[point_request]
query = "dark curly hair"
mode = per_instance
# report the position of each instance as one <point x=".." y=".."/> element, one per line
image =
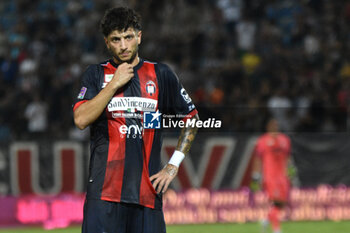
<point x="120" y="18"/>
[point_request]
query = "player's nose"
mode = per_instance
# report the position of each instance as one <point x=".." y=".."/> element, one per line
<point x="123" y="44"/>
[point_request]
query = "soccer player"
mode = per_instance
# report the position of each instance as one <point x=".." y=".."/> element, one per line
<point x="126" y="181"/>
<point x="272" y="156"/>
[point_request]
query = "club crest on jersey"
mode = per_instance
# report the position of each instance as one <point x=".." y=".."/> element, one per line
<point x="150" y="87"/>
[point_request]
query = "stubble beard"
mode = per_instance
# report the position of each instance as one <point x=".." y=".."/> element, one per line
<point x="132" y="58"/>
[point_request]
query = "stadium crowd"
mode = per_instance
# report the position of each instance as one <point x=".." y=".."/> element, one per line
<point x="238" y="59"/>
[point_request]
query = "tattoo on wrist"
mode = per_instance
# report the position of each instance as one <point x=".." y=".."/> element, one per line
<point x="171" y="170"/>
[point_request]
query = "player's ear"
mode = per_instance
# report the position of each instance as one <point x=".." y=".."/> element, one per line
<point x="139" y="35"/>
<point x="106" y="42"/>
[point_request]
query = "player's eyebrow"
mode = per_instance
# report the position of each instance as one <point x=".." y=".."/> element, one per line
<point x="124" y="36"/>
<point x="130" y="34"/>
<point x="115" y="37"/>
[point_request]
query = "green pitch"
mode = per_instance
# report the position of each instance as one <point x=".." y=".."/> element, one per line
<point x="288" y="227"/>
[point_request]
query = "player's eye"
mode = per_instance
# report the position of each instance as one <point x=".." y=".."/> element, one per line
<point x="115" y="39"/>
<point x="129" y="37"/>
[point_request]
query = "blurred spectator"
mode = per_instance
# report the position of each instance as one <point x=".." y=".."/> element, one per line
<point x="216" y="96"/>
<point x="5" y="131"/>
<point x="250" y="61"/>
<point x="9" y="68"/>
<point x="79" y="135"/>
<point x="231" y="10"/>
<point x="36" y="113"/>
<point x="3" y="43"/>
<point x="280" y="106"/>
<point x="28" y="74"/>
<point x="245" y="30"/>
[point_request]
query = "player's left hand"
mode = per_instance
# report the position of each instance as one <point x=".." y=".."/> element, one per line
<point x="255" y="186"/>
<point x="162" y="179"/>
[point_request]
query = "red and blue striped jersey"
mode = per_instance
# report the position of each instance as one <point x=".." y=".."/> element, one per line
<point x="123" y="153"/>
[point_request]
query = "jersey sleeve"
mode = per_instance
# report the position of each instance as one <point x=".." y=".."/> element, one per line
<point x="88" y="88"/>
<point x="175" y="99"/>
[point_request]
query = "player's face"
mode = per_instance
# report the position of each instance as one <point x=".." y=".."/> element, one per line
<point x="272" y="126"/>
<point x="124" y="45"/>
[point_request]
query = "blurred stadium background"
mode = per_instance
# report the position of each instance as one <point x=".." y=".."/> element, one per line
<point x="240" y="60"/>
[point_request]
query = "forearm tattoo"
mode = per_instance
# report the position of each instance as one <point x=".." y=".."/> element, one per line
<point x="186" y="138"/>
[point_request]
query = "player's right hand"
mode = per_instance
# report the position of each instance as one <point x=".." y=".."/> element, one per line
<point x="122" y="75"/>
